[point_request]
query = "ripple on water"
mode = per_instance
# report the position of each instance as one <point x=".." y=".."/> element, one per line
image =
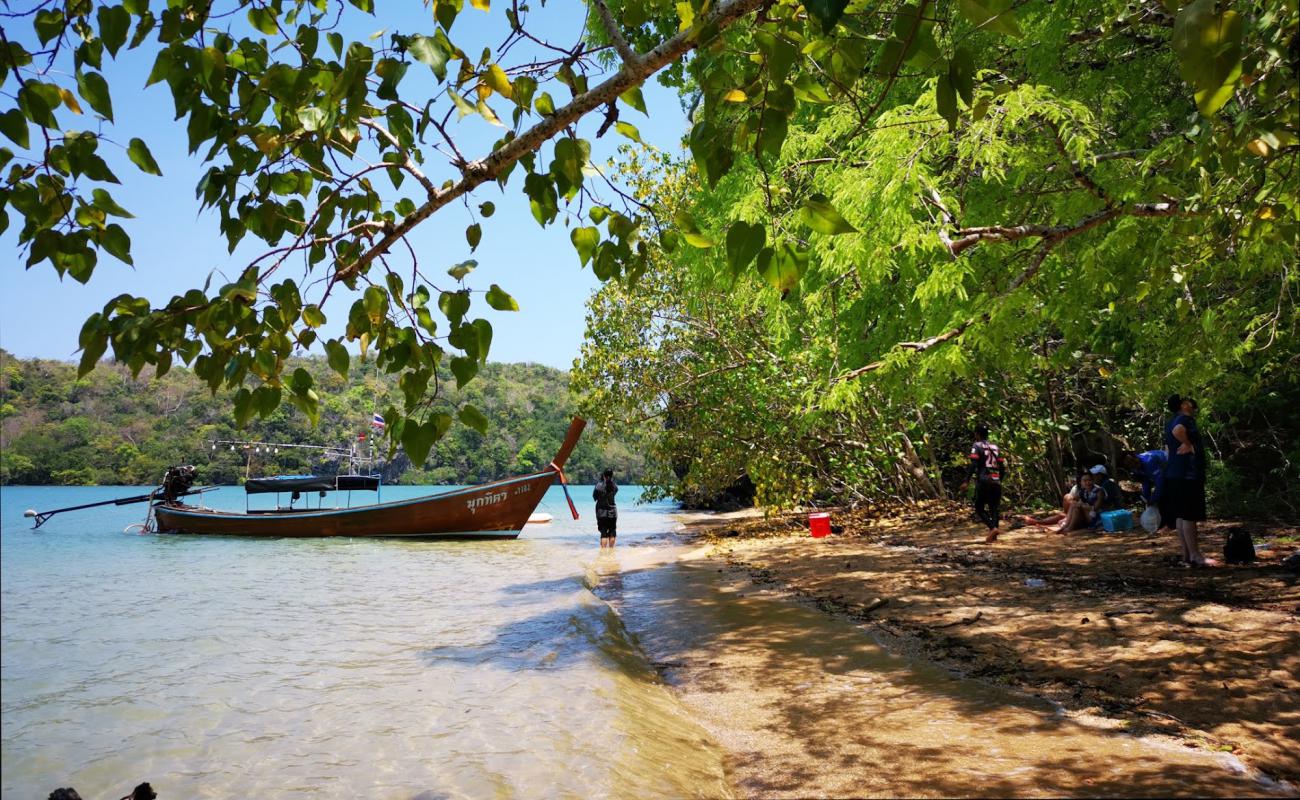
<point x="218" y="667"/>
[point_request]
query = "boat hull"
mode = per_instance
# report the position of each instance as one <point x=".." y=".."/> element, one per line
<point x="491" y="511"/>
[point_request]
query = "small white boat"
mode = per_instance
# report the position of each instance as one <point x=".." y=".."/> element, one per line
<point x="540" y="518"/>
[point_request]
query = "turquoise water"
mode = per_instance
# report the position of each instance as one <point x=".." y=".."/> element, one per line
<point x="216" y="667"/>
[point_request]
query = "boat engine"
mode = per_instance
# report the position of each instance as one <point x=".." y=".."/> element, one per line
<point x="177" y="482"/>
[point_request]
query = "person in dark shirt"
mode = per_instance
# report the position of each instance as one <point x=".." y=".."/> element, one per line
<point x="606" y="511"/>
<point x="1183" y="493"/>
<point x="1114" y="497"/>
<point x="986" y="465"/>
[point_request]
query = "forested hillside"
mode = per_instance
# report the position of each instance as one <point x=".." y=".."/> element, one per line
<point x="108" y="428"/>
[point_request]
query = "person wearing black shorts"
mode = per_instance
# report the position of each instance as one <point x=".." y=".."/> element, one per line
<point x="986" y="466"/>
<point x="1182" y="498"/>
<point x="606" y="511"/>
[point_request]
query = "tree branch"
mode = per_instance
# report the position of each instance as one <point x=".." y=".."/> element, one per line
<point x="1051" y="236"/>
<point x="486" y="169"/>
<point x="607" y="21"/>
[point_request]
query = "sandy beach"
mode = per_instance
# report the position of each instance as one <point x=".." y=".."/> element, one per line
<point x="903" y="657"/>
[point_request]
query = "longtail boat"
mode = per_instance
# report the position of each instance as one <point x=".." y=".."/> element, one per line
<point x="496" y="510"/>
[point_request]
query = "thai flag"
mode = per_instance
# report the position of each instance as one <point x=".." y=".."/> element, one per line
<point x="377" y="422"/>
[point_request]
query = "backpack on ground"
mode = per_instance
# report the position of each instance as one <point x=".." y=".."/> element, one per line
<point x="1240" y="548"/>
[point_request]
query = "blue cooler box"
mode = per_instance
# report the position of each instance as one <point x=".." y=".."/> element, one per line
<point x="1118" y="520"/>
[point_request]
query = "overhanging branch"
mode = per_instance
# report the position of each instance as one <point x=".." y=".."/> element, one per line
<point x="488" y="168"/>
<point x="1050" y="235"/>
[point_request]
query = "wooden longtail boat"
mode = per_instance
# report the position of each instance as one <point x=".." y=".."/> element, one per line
<point x="497" y="510"/>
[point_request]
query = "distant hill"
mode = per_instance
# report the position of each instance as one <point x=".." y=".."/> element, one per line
<point x="110" y="428"/>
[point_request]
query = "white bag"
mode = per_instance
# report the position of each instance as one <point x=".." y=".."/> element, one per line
<point x="1150" y="519"/>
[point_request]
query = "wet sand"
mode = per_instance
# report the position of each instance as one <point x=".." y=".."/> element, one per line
<point x="764" y="637"/>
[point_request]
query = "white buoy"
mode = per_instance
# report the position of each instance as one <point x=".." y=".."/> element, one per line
<point x="31" y="512"/>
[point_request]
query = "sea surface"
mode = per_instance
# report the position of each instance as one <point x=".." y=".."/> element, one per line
<point x="224" y="667"/>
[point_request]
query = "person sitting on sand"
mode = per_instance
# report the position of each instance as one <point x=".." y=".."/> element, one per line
<point x="1114" y="496"/>
<point x="1056" y="517"/>
<point x="1086" y="499"/>
<point x="986" y="466"/>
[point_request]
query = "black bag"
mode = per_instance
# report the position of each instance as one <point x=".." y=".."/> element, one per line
<point x="1240" y="548"/>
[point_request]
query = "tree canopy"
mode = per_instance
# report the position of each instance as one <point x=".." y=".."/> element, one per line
<point x="949" y="161"/>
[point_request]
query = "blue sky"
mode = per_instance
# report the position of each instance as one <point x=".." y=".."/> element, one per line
<point x="175" y="247"/>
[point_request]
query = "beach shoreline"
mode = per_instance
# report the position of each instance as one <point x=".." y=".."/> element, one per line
<point x="1099" y="625"/>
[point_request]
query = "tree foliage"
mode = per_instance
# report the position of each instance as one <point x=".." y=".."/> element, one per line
<point x="329" y="151"/>
<point x="1086" y="237"/>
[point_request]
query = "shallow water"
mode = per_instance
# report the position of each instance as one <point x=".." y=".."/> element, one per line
<point x="217" y="667"/>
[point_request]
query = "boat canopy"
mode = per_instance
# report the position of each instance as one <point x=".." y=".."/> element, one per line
<point x="312" y="483"/>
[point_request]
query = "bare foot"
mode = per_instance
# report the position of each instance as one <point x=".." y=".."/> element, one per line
<point x="991" y="538"/>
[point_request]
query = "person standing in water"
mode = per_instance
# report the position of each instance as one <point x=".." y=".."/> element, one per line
<point x="986" y="466"/>
<point x="1183" y="493"/>
<point x="606" y="511"/>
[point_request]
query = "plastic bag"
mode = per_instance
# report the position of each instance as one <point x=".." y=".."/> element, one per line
<point x="1150" y="519"/>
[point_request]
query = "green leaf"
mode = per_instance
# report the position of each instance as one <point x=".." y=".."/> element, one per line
<point x="427" y="51"/>
<point x="782" y="267"/>
<point x="498" y="299"/>
<point x="462" y="269"/>
<point x="744" y="241"/>
<point x="473" y="235"/>
<point x="313" y="316"/>
<point x="464" y="369"/>
<point x="454" y="305"/>
<point x="634" y="98"/>
<point x="375" y="300"/>
<point x="818" y="213"/>
<point x="337" y="356"/>
<point x="117" y="243"/>
<point x="779" y="53"/>
<point x="690" y="231"/>
<point x="542" y="199"/>
<point x="585" y="241"/>
<point x="445" y="11"/>
<point x="93" y="345"/>
<point x="495" y="77"/>
<point x="139" y="154"/>
<point x="487" y="208"/>
<point x="945" y="99"/>
<point x="311" y="118"/>
<point x="992" y="15"/>
<point x="105" y="202"/>
<point x="94" y="90"/>
<point x="263" y="20"/>
<point x="14" y="125"/>
<point x="1209" y="49"/>
<point x="827" y="12"/>
<point x="961" y="71"/>
<point x="474" y="418"/>
<point x="418" y="439"/>
<point x="544" y="104"/>
<point x="114" y="23"/>
<point x="48" y="23"/>
<point x="772" y="135"/>
<point x="629" y="130"/>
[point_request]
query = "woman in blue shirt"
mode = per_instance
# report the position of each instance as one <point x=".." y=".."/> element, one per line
<point x="1183" y="494"/>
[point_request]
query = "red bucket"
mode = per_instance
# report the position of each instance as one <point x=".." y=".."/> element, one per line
<point x="819" y="524"/>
